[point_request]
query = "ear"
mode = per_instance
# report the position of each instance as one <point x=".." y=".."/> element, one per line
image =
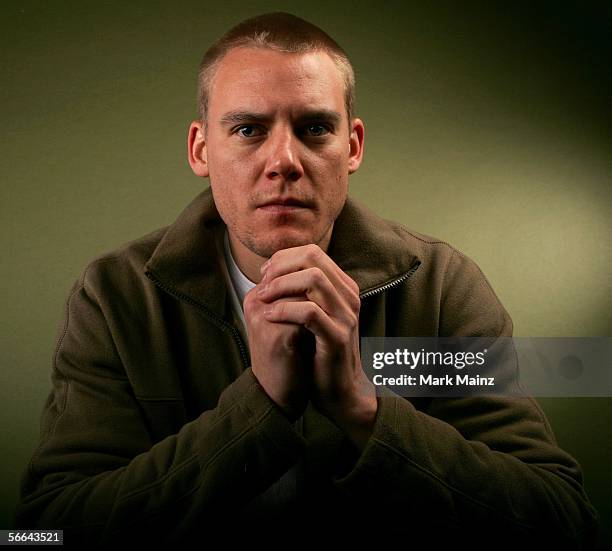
<point x="196" y="149"/>
<point x="355" y="145"/>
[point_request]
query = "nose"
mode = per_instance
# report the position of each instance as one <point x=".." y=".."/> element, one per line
<point x="283" y="160"/>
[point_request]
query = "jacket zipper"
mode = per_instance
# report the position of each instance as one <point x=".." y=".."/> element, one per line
<point x="207" y="313"/>
<point x="392" y="283"/>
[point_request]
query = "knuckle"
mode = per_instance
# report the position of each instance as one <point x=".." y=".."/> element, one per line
<point x="353" y="321"/>
<point x="310" y="314"/>
<point x="249" y="302"/>
<point x="317" y="274"/>
<point x="273" y="258"/>
<point x="272" y="286"/>
<point x="346" y="334"/>
<point x="313" y="251"/>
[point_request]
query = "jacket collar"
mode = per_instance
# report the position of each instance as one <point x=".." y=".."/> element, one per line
<point x="369" y="249"/>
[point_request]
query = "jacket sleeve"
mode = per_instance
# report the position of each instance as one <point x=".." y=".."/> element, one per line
<point x="96" y="472"/>
<point x="474" y="467"/>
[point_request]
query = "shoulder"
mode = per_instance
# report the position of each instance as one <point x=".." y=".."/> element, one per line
<point x="123" y="265"/>
<point x="432" y="251"/>
<point x="467" y="303"/>
<point x="440" y="255"/>
<point x="357" y="223"/>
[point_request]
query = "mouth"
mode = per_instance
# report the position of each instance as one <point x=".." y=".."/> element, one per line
<point x="283" y="205"/>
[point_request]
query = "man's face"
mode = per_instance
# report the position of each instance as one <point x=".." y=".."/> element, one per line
<point x="278" y="147"/>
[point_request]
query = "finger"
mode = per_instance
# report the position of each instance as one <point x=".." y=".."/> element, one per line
<point x="307" y="256"/>
<point x="253" y="306"/>
<point x="311" y="283"/>
<point x="294" y="259"/>
<point x="305" y="313"/>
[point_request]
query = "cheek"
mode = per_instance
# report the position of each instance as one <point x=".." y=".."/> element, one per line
<point x="228" y="182"/>
<point x="330" y="166"/>
<point x="237" y="171"/>
<point x="223" y="201"/>
<point x="339" y="193"/>
<point x="225" y="194"/>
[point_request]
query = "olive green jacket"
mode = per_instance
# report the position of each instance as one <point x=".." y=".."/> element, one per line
<point x="156" y="428"/>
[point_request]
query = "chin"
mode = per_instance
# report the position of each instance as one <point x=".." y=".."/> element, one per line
<point x="286" y="240"/>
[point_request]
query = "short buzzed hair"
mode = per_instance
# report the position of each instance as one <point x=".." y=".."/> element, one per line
<point x="278" y="31"/>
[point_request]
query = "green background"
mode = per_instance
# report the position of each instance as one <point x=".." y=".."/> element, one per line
<point x="486" y="125"/>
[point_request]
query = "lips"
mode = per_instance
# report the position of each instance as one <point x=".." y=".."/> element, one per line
<point x="284" y="207"/>
<point x="285" y="202"/>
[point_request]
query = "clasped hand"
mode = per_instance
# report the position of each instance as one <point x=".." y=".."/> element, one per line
<point x="303" y="328"/>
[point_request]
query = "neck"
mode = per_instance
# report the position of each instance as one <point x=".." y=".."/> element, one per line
<point x="247" y="261"/>
<point x="250" y="262"/>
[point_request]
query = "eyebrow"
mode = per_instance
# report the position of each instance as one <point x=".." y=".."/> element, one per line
<point x="236" y="117"/>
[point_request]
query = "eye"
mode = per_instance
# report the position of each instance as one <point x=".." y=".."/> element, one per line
<point x="316" y="130"/>
<point x="248" y="131"/>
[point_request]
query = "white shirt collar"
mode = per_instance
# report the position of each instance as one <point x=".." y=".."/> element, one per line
<point x="240" y="284"/>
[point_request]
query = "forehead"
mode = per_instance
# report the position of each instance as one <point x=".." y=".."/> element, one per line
<point x="263" y="79"/>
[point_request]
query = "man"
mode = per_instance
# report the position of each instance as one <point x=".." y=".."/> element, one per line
<point x="207" y="378"/>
